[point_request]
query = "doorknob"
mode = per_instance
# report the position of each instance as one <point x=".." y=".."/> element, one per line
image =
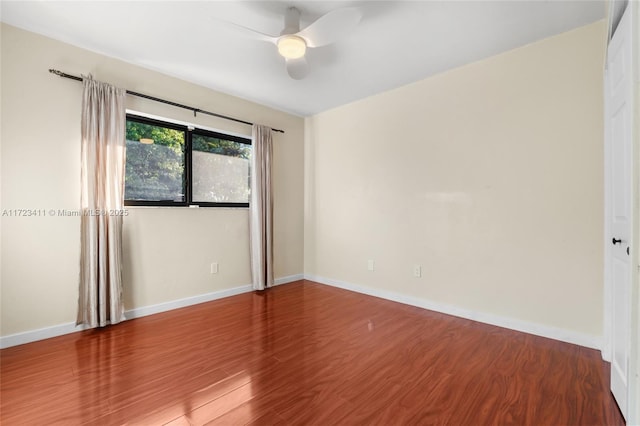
<point x="627" y="251"/>
<point x="614" y="241"/>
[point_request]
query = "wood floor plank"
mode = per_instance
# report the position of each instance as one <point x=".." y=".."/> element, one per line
<point x="303" y="353"/>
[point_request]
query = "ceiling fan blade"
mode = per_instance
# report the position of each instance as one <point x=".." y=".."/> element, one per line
<point x="297" y="68"/>
<point x="249" y="32"/>
<point x="331" y="27"/>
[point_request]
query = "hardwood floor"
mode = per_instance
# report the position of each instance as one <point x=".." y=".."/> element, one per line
<point x="304" y="353"/>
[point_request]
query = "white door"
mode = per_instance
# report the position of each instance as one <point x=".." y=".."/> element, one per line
<point x="618" y="128"/>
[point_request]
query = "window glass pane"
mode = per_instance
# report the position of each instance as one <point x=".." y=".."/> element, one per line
<point x="220" y="170"/>
<point x="155" y="163"/>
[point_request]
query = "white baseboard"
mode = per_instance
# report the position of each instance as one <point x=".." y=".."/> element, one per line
<point x="67" y="328"/>
<point x="39" y="334"/>
<point x="563" y="335"/>
<point x="187" y="301"/>
<point x="555" y="333"/>
<point x="288" y="279"/>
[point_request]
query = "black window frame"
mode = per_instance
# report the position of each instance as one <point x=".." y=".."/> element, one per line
<point x="189" y="131"/>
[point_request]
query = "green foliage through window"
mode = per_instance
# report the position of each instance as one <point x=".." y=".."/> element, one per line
<point x="220" y="170"/>
<point x="154" y="172"/>
<point x="168" y="164"/>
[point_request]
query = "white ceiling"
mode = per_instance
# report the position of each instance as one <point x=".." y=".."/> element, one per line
<point x="396" y="43"/>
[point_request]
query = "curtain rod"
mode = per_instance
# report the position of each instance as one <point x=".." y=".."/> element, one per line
<point x="163" y="101"/>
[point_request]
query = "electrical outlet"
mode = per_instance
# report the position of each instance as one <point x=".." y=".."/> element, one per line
<point x="417" y="271"/>
<point x="214" y="268"/>
<point x="370" y="265"/>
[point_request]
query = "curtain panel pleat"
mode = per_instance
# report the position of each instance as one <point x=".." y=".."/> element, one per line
<point x="102" y="199"/>
<point x="261" y="208"/>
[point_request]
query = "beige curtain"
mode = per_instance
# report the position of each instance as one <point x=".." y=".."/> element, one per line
<point x="261" y="208"/>
<point x="102" y="198"/>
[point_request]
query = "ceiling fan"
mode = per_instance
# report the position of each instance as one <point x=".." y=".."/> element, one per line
<point x="292" y="42"/>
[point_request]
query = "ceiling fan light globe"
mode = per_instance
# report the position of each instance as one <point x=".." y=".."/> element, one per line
<point x="291" y="47"/>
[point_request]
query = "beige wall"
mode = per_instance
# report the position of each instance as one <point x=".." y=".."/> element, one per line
<point x="489" y="176"/>
<point x="167" y="250"/>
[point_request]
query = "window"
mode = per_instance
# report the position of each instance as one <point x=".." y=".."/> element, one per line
<point x="155" y="166"/>
<point x="220" y="169"/>
<point x="173" y="165"/>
